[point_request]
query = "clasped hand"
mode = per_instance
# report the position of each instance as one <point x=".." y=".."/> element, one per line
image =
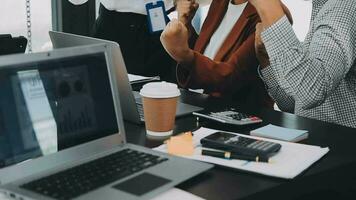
<point x="270" y="12"/>
<point x="186" y="10"/>
<point x="174" y="39"/>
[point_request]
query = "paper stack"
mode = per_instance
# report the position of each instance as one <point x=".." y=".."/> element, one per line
<point x="288" y="163"/>
<point x="280" y="133"/>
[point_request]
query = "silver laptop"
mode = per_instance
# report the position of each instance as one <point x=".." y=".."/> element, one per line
<point x="130" y="100"/>
<point x="62" y="134"/>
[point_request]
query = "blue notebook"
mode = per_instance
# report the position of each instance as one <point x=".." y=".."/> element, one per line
<point x="280" y="133"/>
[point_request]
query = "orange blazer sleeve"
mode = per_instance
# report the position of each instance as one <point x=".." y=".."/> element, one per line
<point x="212" y="76"/>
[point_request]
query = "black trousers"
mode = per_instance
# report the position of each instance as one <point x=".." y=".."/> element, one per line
<point x="142" y="51"/>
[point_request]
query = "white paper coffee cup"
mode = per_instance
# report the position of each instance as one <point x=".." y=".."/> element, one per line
<point x="160" y="107"/>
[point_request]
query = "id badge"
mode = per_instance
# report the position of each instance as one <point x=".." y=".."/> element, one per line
<point x="157" y="16"/>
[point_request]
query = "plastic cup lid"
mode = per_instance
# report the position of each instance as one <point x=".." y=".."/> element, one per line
<point x="160" y="90"/>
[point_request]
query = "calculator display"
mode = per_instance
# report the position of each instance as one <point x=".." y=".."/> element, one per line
<point x="222" y="137"/>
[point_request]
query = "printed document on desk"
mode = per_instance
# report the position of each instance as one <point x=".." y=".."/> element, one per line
<point x="288" y="163"/>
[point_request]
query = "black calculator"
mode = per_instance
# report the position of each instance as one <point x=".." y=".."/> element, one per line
<point x="240" y="145"/>
<point x="229" y="116"/>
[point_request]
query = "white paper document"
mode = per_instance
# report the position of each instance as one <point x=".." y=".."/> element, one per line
<point x="137" y="78"/>
<point x="172" y="194"/>
<point x="176" y="194"/>
<point x="3" y="197"/>
<point x="289" y="162"/>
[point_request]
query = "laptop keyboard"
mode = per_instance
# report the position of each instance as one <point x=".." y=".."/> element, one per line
<point x="89" y="176"/>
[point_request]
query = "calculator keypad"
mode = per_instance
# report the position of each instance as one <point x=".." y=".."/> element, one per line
<point x="244" y="142"/>
<point x="235" y="117"/>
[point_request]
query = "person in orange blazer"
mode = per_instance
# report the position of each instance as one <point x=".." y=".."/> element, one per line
<point x="232" y="72"/>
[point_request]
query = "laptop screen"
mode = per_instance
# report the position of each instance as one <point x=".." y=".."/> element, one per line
<point x="55" y="104"/>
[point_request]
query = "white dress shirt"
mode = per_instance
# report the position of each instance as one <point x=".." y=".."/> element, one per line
<point x="134" y="6"/>
<point x="233" y="13"/>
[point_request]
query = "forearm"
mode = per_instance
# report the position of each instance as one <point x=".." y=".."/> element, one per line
<point x="310" y="74"/>
<point x="236" y="71"/>
<point x="210" y="72"/>
<point x="284" y="101"/>
<point x="206" y="73"/>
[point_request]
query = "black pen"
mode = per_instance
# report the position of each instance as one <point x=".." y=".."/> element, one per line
<point x="230" y="155"/>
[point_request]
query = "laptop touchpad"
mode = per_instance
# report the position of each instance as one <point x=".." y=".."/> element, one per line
<point x="141" y="184"/>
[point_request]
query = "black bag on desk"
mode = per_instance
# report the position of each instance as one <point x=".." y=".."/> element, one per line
<point x="11" y="45"/>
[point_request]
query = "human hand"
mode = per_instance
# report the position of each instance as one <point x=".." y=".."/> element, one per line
<point x="270" y="11"/>
<point x="261" y="52"/>
<point x="262" y="4"/>
<point x="186" y="10"/>
<point x="174" y="39"/>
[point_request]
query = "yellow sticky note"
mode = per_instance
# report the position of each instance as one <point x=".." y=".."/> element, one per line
<point x="187" y="136"/>
<point x="181" y="145"/>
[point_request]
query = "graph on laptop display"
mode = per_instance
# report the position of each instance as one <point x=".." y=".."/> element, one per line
<point x="51" y="105"/>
